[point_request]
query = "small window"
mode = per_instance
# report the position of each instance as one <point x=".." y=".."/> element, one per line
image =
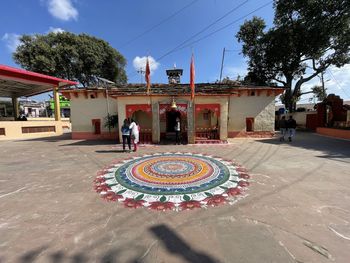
<point x="252" y="93"/>
<point x="92" y="96"/>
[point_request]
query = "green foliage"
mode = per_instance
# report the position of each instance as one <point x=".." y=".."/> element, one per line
<point x="307" y="34"/>
<point x="75" y="57"/>
<point x="319" y="92"/>
<point x="111" y="121"/>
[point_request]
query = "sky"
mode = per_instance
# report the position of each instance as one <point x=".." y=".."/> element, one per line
<point x="166" y="31"/>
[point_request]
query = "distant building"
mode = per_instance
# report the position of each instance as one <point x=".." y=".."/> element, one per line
<point x="64" y="105"/>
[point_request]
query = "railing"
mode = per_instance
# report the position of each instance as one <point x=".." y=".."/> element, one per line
<point x="146" y="136"/>
<point x="207" y="134"/>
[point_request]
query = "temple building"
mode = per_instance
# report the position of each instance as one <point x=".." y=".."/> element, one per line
<point x="217" y="112"/>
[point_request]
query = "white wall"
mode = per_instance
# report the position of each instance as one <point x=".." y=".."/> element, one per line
<point x="261" y="108"/>
<point x="84" y="110"/>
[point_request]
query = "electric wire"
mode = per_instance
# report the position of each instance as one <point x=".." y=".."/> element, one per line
<point x="203" y="29"/>
<point x="181" y="46"/>
<point x="158" y="24"/>
<point x="337" y="83"/>
<point x="224" y="27"/>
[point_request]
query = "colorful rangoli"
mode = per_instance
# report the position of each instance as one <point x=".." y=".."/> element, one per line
<point x="172" y="181"/>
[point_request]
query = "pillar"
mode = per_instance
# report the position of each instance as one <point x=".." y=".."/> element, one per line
<point x="15" y="107"/>
<point x="223" y="120"/>
<point x="191" y="134"/>
<point x="155" y="123"/>
<point x="56" y="99"/>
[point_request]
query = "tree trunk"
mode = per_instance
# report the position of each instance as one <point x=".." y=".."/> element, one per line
<point x="288" y="97"/>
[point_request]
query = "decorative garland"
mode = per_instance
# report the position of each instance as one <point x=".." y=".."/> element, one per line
<point x="172" y="181"/>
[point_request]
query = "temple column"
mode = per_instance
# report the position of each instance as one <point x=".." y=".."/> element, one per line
<point x="155" y="123"/>
<point x="223" y="120"/>
<point x="191" y="134"/>
<point x="15" y="107"/>
<point x="56" y="99"/>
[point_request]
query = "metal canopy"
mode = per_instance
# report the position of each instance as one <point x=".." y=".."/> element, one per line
<point x="18" y="82"/>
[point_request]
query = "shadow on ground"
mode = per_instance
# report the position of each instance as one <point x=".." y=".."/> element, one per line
<point x="165" y="236"/>
<point x="330" y="147"/>
<point x="175" y="245"/>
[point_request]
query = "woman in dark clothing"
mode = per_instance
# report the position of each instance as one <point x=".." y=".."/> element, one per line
<point x="126" y="134"/>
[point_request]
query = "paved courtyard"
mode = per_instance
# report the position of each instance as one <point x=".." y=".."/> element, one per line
<point x="297" y="208"/>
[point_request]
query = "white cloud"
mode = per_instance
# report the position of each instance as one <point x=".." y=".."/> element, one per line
<point x="140" y="63"/>
<point x="55" y="30"/>
<point x="63" y="9"/>
<point x="11" y="40"/>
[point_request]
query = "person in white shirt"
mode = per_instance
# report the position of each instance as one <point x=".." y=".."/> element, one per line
<point x="177" y="130"/>
<point x="135" y="133"/>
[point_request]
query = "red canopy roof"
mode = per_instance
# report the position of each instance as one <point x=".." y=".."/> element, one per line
<point x="19" y="82"/>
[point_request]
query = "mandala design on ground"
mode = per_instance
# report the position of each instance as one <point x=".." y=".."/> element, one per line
<point x="172" y="181"/>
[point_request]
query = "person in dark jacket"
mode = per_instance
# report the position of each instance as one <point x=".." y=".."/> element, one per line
<point x="126" y="134"/>
<point x="291" y="125"/>
<point x="283" y="127"/>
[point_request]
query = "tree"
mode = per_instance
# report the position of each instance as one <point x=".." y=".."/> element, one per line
<point x="307" y="37"/>
<point x="75" y="57"/>
<point x="319" y="92"/>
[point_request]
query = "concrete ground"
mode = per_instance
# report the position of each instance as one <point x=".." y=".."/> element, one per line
<point x="297" y="208"/>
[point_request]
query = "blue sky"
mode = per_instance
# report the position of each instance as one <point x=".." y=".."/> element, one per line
<point x="118" y="22"/>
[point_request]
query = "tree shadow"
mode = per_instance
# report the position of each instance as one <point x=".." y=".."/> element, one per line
<point x="175" y="245"/>
<point x="332" y="148"/>
<point x="30" y="256"/>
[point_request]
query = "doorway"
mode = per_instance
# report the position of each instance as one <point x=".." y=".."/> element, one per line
<point x="171" y="120"/>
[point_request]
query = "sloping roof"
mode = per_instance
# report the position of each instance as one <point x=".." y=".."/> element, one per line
<point x="174" y="89"/>
<point x="18" y="82"/>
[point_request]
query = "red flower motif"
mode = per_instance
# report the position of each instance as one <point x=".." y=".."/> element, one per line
<point x="243" y="183"/>
<point x="162" y="205"/>
<point x="215" y="200"/>
<point x="111" y="196"/>
<point x="190" y="205"/>
<point x="241" y="170"/>
<point x="102" y="188"/>
<point x="233" y="191"/>
<point x="99" y="180"/>
<point x="132" y="203"/>
<point x="244" y="175"/>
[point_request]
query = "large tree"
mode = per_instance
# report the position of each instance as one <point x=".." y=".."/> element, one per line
<point x="75" y="57"/>
<point x="306" y="38"/>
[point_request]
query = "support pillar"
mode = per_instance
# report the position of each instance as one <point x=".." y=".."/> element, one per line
<point x="155" y="123"/>
<point x="56" y="98"/>
<point x="191" y="134"/>
<point x="15" y="107"/>
<point x="223" y="120"/>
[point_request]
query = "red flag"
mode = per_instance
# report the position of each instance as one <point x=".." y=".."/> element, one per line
<point x="148" y="77"/>
<point x="192" y="75"/>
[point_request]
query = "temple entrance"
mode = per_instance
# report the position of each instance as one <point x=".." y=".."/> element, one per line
<point x="171" y="120"/>
<point x="167" y="123"/>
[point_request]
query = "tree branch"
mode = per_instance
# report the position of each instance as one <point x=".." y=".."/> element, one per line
<point x="280" y="81"/>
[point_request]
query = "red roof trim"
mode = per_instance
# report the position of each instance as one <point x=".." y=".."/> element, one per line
<point x="21" y="74"/>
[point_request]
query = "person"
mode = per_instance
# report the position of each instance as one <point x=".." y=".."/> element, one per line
<point x="283" y="127"/>
<point x="291" y="125"/>
<point x="177" y="130"/>
<point x="126" y="134"/>
<point x="135" y="133"/>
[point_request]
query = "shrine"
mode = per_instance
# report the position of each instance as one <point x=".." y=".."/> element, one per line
<point x="217" y="112"/>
